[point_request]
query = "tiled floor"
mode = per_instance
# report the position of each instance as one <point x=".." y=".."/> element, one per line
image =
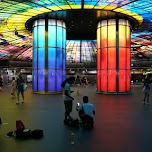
<point x="122" y="123"/>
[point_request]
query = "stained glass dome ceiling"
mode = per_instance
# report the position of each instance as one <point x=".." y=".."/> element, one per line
<point x="16" y="40"/>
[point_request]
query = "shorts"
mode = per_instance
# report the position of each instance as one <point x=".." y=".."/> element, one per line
<point x="68" y="105"/>
<point x="20" y="90"/>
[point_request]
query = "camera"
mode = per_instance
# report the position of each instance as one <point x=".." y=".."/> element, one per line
<point x="78" y="106"/>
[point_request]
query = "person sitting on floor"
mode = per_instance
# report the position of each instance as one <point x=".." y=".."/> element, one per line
<point x="86" y="112"/>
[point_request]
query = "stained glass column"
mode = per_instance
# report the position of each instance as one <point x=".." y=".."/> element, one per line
<point x="113" y="56"/>
<point x="49" y="55"/>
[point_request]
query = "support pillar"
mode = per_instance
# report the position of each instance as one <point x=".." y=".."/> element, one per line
<point x="49" y="55"/>
<point x="113" y="56"/>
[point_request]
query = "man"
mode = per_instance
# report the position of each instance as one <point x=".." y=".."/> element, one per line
<point x="20" y="88"/>
<point x="87" y="112"/>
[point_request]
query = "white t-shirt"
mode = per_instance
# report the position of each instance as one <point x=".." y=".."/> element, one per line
<point x="67" y="87"/>
<point x="88" y="109"/>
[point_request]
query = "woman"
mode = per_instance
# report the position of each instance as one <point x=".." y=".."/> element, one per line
<point x="68" y="103"/>
<point x="13" y="88"/>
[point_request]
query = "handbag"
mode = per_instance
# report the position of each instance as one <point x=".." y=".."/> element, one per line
<point x="143" y="89"/>
<point x="25" y="87"/>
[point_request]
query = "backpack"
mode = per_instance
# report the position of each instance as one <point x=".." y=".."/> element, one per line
<point x="20" y="131"/>
<point x="19" y="125"/>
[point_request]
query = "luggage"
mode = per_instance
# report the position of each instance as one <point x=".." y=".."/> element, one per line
<point x="36" y="134"/>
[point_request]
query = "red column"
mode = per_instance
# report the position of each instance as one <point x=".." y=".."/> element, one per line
<point x="113" y="56"/>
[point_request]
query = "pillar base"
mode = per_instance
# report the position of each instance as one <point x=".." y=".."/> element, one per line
<point x="46" y="93"/>
<point x="114" y="93"/>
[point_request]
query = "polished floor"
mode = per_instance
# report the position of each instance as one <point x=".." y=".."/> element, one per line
<point x="122" y="123"/>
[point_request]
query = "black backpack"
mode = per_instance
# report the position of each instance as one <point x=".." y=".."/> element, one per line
<point x="36" y="134"/>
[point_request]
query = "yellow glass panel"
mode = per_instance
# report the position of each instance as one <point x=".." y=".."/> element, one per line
<point x="118" y="10"/>
<point x="122" y="36"/>
<point x="103" y="36"/>
<point x="45" y="10"/>
<point x="109" y="8"/>
<point x="64" y="7"/>
<point x="112" y="36"/>
<point x="99" y="7"/>
<point x="98" y="38"/>
<point x="88" y="6"/>
<point x="55" y="8"/>
<point x="128" y="36"/>
<point x="76" y="6"/>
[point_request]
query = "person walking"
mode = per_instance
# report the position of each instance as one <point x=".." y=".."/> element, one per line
<point x="1" y="83"/>
<point x="147" y="83"/>
<point x="20" y="88"/>
<point x="78" y="83"/>
<point x="13" y="90"/>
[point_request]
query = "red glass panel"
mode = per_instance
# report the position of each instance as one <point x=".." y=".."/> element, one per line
<point x="122" y="58"/>
<point x="128" y="80"/>
<point x="104" y="80"/>
<point x="98" y="59"/>
<point x="104" y="58"/>
<point x="111" y="80"/>
<point x="128" y="58"/>
<point x="99" y="80"/>
<point x="111" y="58"/>
<point x="122" y="80"/>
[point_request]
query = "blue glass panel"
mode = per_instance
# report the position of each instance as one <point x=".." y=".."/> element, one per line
<point x="52" y="36"/>
<point x="41" y="36"/>
<point x="35" y="37"/>
<point x="59" y="58"/>
<point x="59" y="37"/>
<point x="64" y="59"/>
<point x="64" y="49"/>
<point x="64" y="75"/>
<point x="34" y="81"/>
<point x="59" y="80"/>
<point x="52" y="58"/>
<point x="64" y="38"/>
<point x="41" y="80"/>
<point x="41" y="58"/>
<point x="35" y="58"/>
<point x="51" y="79"/>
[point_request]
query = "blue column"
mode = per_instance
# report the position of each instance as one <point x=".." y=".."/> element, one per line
<point x="49" y="55"/>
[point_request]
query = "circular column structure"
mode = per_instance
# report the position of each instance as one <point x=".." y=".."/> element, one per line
<point x="113" y="56"/>
<point x="49" y="55"/>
